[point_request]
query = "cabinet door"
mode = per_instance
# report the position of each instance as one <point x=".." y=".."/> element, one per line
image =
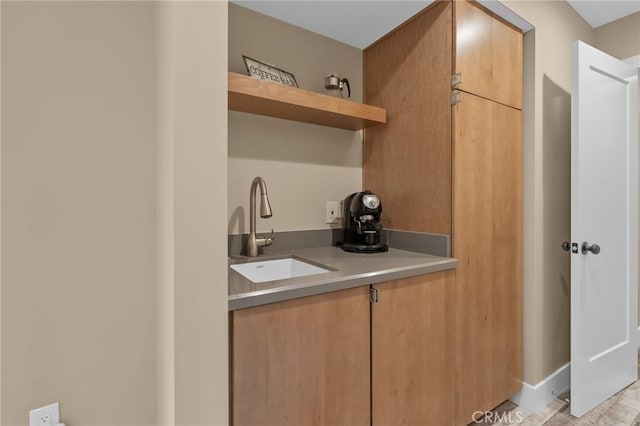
<point x="487" y="241"/>
<point x="488" y="54"/>
<point x="303" y="361"/>
<point x="412" y="352"/>
<point x="407" y="162"/>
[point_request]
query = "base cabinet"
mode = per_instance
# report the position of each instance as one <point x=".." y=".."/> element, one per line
<point x="337" y="359"/>
<point x="302" y="362"/>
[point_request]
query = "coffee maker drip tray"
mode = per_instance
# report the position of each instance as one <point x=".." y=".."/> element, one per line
<point x="364" y="248"/>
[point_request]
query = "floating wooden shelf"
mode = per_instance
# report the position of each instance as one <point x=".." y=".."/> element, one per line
<point x="255" y="96"/>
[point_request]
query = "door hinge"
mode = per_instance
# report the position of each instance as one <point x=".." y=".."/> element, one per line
<point x="456" y="79"/>
<point x="456" y="96"/>
<point x="374" y="295"/>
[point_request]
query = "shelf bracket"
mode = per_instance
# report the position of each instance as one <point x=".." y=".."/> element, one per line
<point x="456" y="96"/>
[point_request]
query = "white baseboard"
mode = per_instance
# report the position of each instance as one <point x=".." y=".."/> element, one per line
<point x="535" y="398"/>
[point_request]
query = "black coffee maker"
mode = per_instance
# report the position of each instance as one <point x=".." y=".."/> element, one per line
<point x="362" y="226"/>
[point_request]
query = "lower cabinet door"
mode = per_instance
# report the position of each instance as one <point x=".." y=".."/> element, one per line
<point x="303" y="361"/>
<point x="412" y="352"/>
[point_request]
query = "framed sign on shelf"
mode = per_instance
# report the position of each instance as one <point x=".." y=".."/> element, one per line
<point x="262" y="71"/>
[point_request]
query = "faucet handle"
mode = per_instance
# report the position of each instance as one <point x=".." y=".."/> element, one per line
<point x="269" y="238"/>
<point x="265" y="240"/>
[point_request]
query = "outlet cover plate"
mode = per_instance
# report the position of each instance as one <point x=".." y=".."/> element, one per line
<point x="45" y="416"/>
<point x="332" y="212"/>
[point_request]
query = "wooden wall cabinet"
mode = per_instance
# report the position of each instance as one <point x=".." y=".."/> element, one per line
<point x="457" y="170"/>
<point x="319" y="360"/>
<point x="407" y="163"/>
<point x="488" y="55"/>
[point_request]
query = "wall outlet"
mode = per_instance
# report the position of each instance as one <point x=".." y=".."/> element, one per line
<point x="332" y="212"/>
<point x="45" y="416"/>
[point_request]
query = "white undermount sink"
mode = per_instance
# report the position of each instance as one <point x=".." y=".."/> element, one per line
<point x="277" y="269"/>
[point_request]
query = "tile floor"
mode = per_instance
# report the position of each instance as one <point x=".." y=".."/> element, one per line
<point x="622" y="409"/>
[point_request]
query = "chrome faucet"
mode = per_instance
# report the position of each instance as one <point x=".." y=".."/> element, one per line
<point x="253" y="242"/>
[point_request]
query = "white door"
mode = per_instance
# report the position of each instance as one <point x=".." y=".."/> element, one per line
<point x="604" y="212"/>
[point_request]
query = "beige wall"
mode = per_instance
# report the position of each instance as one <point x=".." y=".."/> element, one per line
<point x="78" y="211"/>
<point x="547" y="165"/>
<point x="114" y="274"/>
<point x="0" y="214"/>
<point x="620" y="38"/>
<point x="304" y="165"/>
<point x="165" y="229"/>
<point x="199" y="45"/>
<point x="547" y="139"/>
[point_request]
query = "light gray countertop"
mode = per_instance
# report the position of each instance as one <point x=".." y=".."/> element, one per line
<point x="349" y="270"/>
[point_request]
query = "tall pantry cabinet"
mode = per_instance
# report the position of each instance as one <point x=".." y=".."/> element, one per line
<point x="457" y="170"/>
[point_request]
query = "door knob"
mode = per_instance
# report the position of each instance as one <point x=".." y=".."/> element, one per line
<point x="594" y="248"/>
